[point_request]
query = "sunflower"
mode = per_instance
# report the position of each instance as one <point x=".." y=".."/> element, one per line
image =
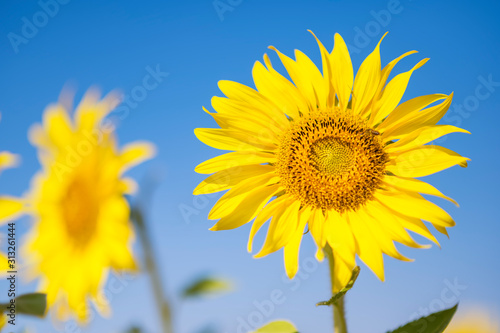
<point x="10" y="207"/>
<point x="475" y="321"/>
<point x="330" y="152"/>
<point x="82" y="227"/>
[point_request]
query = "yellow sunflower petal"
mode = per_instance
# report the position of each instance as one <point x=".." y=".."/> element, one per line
<point x="369" y="250"/>
<point x="383" y="238"/>
<point x="135" y="153"/>
<point x="277" y="88"/>
<point x="306" y="77"/>
<point x="343" y="272"/>
<point x="340" y="236"/>
<point x="9" y="208"/>
<point x="232" y="198"/>
<point x="260" y="105"/>
<point x="281" y="229"/>
<point x="226" y="139"/>
<point x="37" y="137"/>
<point x="129" y="186"/>
<point x="367" y="80"/>
<point x="327" y="72"/>
<point x="399" y="114"/>
<point x="247" y="209"/>
<point x="230" y="177"/>
<point x="234" y="159"/>
<point x="4" y="266"/>
<point x="442" y="230"/>
<point x="291" y="255"/>
<point x="415" y="206"/>
<point x="8" y="160"/>
<point x="343" y="73"/>
<point x="102" y="306"/>
<point x="316" y="227"/>
<point x="300" y="79"/>
<point x="424" y="161"/>
<point x="237" y="108"/>
<point x="248" y="127"/>
<point x="417" y="119"/>
<point x="247" y="122"/>
<point x="291" y="90"/>
<point x="383" y="80"/>
<point x="271" y="209"/>
<point x="392" y="224"/>
<point x="386" y="71"/>
<point x="418" y="227"/>
<point x="392" y="94"/>
<point x="416" y="186"/>
<point x="312" y="77"/>
<point x="90" y="111"/>
<point x="57" y="126"/>
<point x="422" y="136"/>
<point x="291" y="250"/>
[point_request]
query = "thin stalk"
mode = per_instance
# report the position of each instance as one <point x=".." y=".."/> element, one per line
<point x="152" y="268"/>
<point x="339" y="322"/>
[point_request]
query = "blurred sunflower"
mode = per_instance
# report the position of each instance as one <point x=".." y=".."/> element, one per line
<point x="82" y="219"/>
<point x="330" y="151"/>
<point x="3" y="321"/>
<point x="477" y="321"/>
<point x="10" y="207"/>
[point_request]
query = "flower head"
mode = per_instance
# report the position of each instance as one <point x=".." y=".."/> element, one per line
<point x="82" y="227"/>
<point x="330" y="151"/>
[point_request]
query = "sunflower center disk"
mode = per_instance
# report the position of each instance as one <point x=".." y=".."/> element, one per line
<point x="331" y="160"/>
<point x="331" y="156"/>
<point x="80" y="211"/>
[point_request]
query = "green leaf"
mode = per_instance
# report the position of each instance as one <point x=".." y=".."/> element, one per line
<point x="33" y="304"/>
<point x="207" y="286"/>
<point x="278" y="326"/>
<point x="343" y="291"/>
<point x="134" y="329"/>
<point x="433" y="323"/>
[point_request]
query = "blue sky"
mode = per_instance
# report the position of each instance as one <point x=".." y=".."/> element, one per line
<point x="193" y="44"/>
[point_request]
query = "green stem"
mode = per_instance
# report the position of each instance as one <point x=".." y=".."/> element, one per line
<point x="339" y="323"/>
<point x="149" y="258"/>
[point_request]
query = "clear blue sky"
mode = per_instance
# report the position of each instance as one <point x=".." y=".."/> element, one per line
<point x="113" y="43"/>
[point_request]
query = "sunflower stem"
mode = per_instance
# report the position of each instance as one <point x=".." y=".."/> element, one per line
<point x="339" y="322"/>
<point x="154" y="273"/>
